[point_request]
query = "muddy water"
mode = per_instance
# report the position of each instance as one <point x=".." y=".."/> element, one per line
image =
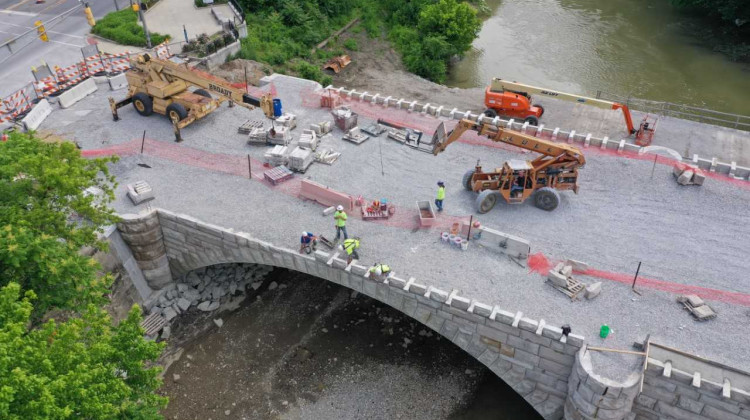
<point x="301" y="348"/>
<point x="641" y="48"/>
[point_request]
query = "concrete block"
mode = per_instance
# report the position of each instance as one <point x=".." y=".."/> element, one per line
<point x="397" y="282"/>
<point x="140" y="192"/>
<point x="557" y="279"/>
<point x="577" y="265"/>
<point x="118" y="82"/>
<point x="480" y="309"/>
<point x="528" y="324"/>
<point x="593" y="290"/>
<point x="77" y="93"/>
<point x="699" y="177"/>
<point x="37" y="115"/>
<point x="567" y="271"/>
<point x="457" y="301"/>
<point x="436" y="294"/>
<point x="329" y="211"/>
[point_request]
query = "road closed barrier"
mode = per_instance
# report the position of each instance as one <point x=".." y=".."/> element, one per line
<point x="37" y="115"/>
<point x="77" y="93"/>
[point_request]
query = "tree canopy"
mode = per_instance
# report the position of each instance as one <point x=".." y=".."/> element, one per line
<point x="79" y="369"/>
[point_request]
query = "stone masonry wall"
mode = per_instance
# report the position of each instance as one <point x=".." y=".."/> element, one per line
<point x="530" y="355"/>
<point x="143" y="234"/>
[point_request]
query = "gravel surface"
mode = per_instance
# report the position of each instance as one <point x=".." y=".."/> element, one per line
<point x="685" y="235"/>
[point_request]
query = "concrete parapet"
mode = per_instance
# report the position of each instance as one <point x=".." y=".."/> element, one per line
<point x="36" y="116"/>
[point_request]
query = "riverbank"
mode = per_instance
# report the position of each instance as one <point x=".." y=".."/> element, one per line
<point x="299" y="347"/>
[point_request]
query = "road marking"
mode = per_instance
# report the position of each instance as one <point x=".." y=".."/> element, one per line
<point x="53" y="5"/>
<point x="48" y="31"/>
<point x="11" y="12"/>
<point x="56" y="42"/>
<point x="20" y="3"/>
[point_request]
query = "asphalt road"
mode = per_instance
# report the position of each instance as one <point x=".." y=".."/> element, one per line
<point x="66" y="36"/>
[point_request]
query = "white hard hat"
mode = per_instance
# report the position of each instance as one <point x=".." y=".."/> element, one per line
<point x="340" y="208"/>
<point x="304" y="233"/>
<point x="378" y="271"/>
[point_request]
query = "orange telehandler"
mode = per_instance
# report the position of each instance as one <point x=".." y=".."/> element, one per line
<point x="513" y="99"/>
<point x="555" y="170"/>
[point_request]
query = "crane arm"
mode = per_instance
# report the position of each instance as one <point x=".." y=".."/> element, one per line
<point x="184" y="73"/>
<point x="500" y="85"/>
<point x="441" y="140"/>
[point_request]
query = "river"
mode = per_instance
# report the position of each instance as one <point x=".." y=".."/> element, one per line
<point x="642" y="48"/>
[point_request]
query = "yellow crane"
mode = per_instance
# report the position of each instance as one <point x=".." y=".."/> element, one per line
<point x="161" y="86"/>
<point x="556" y="169"/>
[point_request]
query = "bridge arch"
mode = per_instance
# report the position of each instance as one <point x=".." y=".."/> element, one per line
<point x="534" y="358"/>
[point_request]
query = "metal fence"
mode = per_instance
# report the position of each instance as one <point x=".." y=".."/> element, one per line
<point x="709" y="116"/>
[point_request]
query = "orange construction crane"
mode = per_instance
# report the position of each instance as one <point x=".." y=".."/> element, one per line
<point x="555" y="170"/>
<point x="513" y="99"/>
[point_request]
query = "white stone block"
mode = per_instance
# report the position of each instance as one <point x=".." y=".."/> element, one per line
<point x="77" y="93"/>
<point x="37" y="115"/>
<point x="118" y="82"/>
<point x="593" y="290"/>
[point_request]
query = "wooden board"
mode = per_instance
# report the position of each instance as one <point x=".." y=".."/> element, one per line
<point x="574" y="288"/>
<point x="153" y="323"/>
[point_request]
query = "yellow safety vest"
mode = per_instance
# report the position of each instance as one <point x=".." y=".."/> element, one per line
<point x="340" y="217"/>
<point x="350" y="245"/>
<point x="383" y="268"/>
<point x="441" y="193"/>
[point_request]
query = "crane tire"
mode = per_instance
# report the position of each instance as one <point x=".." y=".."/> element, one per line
<point x="176" y="112"/>
<point x="143" y="104"/>
<point x="489" y="112"/>
<point x="532" y="120"/>
<point x="203" y="92"/>
<point x="546" y="198"/>
<point x="466" y="181"/>
<point x="487" y="200"/>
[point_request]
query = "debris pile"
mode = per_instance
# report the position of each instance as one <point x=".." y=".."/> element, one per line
<point x="688" y="174"/>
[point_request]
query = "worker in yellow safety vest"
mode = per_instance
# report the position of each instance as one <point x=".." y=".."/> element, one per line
<point x="351" y="246"/>
<point x="440" y="196"/>
<point x="380" y="271"/>
<point x="340" y="218"/>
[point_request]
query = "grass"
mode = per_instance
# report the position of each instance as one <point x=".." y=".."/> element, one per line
<point x="122" y="27"/>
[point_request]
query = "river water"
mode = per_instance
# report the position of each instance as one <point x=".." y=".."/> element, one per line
<point x="642" y="48"/>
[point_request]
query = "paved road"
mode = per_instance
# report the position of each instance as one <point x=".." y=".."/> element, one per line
<point x="66" y="36"/>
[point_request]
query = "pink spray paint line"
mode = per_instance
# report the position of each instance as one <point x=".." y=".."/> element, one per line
<point x="237" y="166"/>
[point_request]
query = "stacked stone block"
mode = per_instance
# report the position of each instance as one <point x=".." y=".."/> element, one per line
<point x="591" y="396"/>
<point x="144" y="236"/>
<point x="670" y="393"/>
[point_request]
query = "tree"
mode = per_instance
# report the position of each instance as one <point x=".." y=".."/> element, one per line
<point x="83" y="368"/>
<point x="455" y="21"/>
<point x="46" y="217"/>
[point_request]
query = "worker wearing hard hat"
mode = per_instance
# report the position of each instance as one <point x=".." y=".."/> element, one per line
<point x="351" y="246"/>
<point x="307" y="242"/>
<point x="379" y="271"/>
<point x="440" y="196"/>
<point x="340" y="218"/>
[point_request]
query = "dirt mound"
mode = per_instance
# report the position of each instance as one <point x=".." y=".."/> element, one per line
<point x="234" y="71"/>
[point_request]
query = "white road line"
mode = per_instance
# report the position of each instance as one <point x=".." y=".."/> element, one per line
<point x="12" y="12"/>
<point x="48" y="31"/>
<point x="56" y="42"/>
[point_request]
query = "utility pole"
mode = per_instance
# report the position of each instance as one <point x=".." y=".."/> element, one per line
<point x="143" y="21"/>
<point x="116" y="6"/>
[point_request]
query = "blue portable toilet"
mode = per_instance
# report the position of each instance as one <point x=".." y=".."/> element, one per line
<point x="277" y="107"/>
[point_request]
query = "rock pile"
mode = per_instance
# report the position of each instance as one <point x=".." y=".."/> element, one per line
<point x="207" y="288"/>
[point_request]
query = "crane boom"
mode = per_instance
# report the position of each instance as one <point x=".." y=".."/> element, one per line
<point x="500" y="85"/>
<point x="441" y="140"/>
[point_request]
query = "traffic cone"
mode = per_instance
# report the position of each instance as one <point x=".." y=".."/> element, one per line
<point x="4" y="137"/>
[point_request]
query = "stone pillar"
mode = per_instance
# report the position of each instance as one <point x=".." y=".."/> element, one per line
<point x="143" y="235"/>
<point x="591" y="396"/>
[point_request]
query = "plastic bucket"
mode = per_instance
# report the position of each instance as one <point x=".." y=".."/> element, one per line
<point x="457" y="242"/>
<point x="277" y="107"/>
<point x="444" y="236"/>
<point x="464" y="244"/>
<point x="451" y="239"/>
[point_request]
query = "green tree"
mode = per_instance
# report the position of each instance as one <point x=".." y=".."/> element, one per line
<point x="46" y="217"/>
<point x="83" y="368"/>
<point x="456" y="22"/>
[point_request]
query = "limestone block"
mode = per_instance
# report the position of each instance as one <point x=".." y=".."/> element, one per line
<point x="557" y="279"/>
<point x="593" y="290"/>
<point x="169" y="313"/>
<point x="183" y="304"/>
<point x="567" y="271"/>
<point x="685" y="178"/>
<point x="577" y="265"/>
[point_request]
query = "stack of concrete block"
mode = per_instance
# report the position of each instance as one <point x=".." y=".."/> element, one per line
<point x="279" y="135"/>
<point x="308" y="140"/>
<point x="140" y="192"/>
<point x="277" y="156"/>
<point x="300" y="159"/>
<point x="327" y="156"/>
<point x="287" y="120"/>
<point x="345" y="118"/>
<point x="688" y="174"/>
<point x="322" y="128"/>
<point x="257" y="135"/>
<point x="562" y="277"/>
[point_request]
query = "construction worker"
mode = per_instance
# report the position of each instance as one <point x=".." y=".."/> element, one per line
<point x="340" y="218"/>
<point x="379" y="271"/>
<point x="307" y="242"/>
<point x="440" y="196"/>
<point x="351" y="246"/>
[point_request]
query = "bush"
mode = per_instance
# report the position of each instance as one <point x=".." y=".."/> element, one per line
<point x="351" y="44"/>
<point x="122" y="27"/>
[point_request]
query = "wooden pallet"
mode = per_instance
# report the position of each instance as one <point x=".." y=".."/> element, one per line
<point x="374" y="130"/>
<point x="248" y="126"/>
<point x="278" y="174"/>
<point x="574" y="288"/>
<point x="380" y="214"/>
<point x="327" y="242"/>
<point x="153" y="323"/>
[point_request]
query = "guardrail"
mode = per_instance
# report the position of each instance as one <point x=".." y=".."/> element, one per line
<point x="704" y="115"/>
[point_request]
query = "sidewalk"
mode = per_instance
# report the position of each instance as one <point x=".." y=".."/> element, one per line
<point x="168" y="17"/>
